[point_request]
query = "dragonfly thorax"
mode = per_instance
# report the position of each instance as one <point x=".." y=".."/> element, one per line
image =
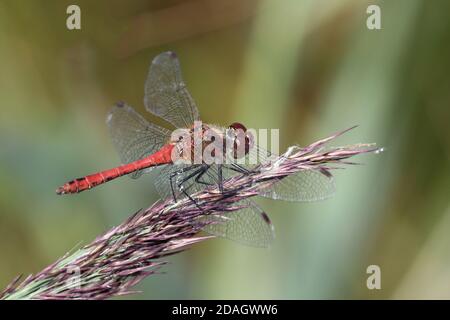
<point x="209" y="144"/>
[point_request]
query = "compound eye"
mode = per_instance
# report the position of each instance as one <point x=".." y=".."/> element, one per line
<point x="238" y="126"/>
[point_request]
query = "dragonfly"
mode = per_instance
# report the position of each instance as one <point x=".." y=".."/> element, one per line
<point x="144" y="146"/>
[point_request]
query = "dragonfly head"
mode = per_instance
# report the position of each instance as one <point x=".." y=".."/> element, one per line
<point x="241" y="139"/>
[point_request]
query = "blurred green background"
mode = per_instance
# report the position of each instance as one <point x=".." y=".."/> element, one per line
<point x="307" y="67"/>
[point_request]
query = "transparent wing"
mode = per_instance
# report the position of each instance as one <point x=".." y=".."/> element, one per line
<point x="306" y="185"/>
<point x="178" y="173"/>
<point x="162" y="182"/>
<point x="134" y="137"/>
<point x="255" y="157"/>
<point x="249" y="225"/>
<point x="166" y="94"/>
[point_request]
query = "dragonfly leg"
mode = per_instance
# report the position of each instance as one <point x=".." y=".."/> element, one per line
<point x="219" y="173"/>
<point x="200" y="175"/>
<point x="200" y="171"/>
<point x="220" y="178"/>
<point x="238" y="168"/>
<point x="181" y="187"/>
<point x="175" y="174"/>
<point x="191" y="199"/>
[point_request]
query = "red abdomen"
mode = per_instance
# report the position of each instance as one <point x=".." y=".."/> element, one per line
<point x="161" y="157"/>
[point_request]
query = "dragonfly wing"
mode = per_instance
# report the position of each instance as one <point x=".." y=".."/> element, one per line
<point x="166" y="94"/>
<point x="164" y="178"/>
<point x="306" y="185"/>
<point x="249" y="225"/>
<point x="134" y="137"/>
<point x="256" y="156"/>
<point x="180" y="173"/>
<point x="162" y="183"/>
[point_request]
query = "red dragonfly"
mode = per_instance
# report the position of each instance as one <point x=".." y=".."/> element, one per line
<point x="143" y="146"/>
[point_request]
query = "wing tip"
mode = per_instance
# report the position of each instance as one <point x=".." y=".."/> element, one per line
<point x="120" y="104"/>
<point x="172" y="54"/>
<point x="164" y="56"/>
